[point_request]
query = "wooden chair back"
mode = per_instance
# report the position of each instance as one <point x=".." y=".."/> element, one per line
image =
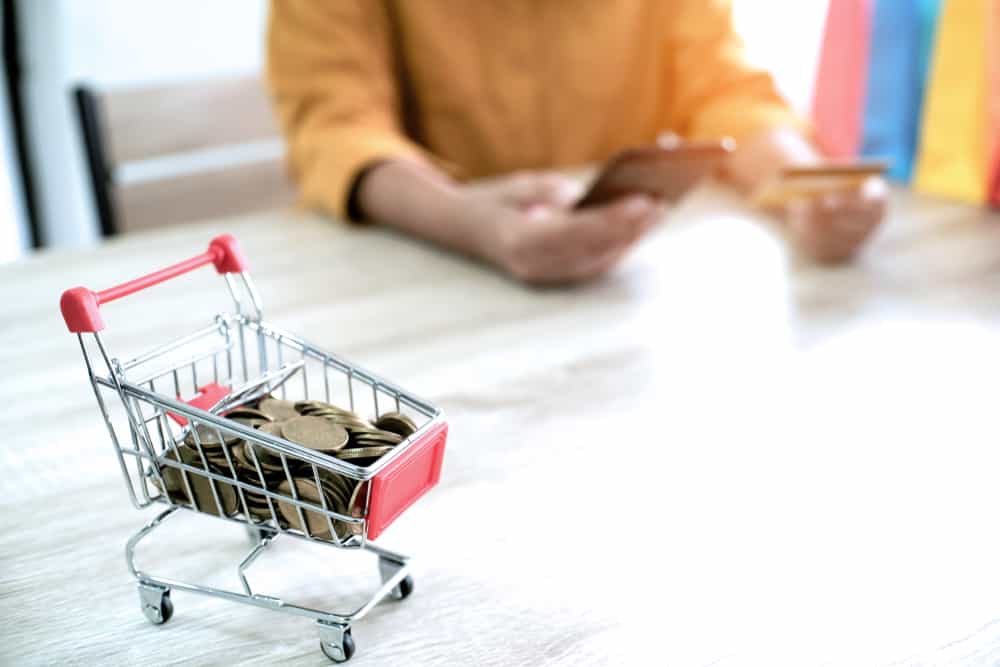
<point x="180" y="153"/>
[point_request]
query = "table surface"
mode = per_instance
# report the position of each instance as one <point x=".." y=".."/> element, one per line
<point x="720" y="454"/>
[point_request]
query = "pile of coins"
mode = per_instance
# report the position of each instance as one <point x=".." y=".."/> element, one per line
<point x="315" y="425"/>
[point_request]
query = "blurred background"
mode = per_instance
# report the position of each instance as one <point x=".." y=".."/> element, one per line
<point x="184" y="52"/>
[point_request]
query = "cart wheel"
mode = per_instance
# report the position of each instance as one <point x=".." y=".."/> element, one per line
<point x="403" y="589"/>
<point x="161" y="611"/>
<point x="341" y="653"/>
<point x="166" y="608"/>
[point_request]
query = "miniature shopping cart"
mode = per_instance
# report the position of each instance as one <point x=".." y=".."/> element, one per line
<point x="154" y="402"/>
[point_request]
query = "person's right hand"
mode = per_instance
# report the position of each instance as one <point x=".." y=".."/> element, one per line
<point x="533" y="233"/>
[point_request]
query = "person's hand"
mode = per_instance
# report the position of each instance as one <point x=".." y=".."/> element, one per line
<point x="534" y="234"/>
<point x="524" y="223"/>
<point x="832" y="227"/>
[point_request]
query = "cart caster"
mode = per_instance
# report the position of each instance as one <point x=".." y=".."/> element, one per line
<point x="388" y="569"/>
<point x="156" y="604"/>
<point x="403" y="589"/>
<point x="336" y="642"/>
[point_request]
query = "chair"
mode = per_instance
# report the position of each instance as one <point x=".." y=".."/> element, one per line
<point x="180" y="153"/>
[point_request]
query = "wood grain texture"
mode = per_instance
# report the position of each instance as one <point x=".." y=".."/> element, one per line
<point x="143" y="122"/>
<point x="718" y="455"/>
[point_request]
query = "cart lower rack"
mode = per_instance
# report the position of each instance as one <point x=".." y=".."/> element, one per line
<point x="253" y="425"/>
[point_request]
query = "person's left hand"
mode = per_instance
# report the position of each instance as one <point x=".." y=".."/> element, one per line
<point x="832" y="227"/>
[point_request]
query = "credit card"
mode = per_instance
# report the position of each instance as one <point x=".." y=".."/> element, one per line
<point x="801" y="181"/>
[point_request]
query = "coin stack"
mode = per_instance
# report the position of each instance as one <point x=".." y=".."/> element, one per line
<point x="315" y="425"/>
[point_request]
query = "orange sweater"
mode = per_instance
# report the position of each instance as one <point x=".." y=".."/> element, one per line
<point x="488" y="86"/>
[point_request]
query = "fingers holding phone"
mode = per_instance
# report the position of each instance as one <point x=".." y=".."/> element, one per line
<point x="553" y="246"/>
<point x="548" y="239"/>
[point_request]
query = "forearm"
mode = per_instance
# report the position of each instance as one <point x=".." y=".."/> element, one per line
<point x="421" y="200"/>
<point x="760" y="158"/>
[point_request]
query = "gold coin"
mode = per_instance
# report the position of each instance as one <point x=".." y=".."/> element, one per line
<point x="271" y="428"/>
<point x="204" y="500"/>
<point x="272" y="467"/>
<point x="316" y="523"/>
<point x="352" y="423"/>
<point x="339" y="417"/>
<point x="355" y="506"/>
<point x="246" y="412"/>
<point x="277" y="409"/>
<point x="268" y="458"/>
<point x="396" y="422"/>
<point x="339" y="500"/>
<point x="200" y="485"/>
<point x="336" y="482"/>
<point x="315" y="433"/>
<point x="336" y="501"/>
<point x="302" y="407"/>
<point x="263" y="513"/>
<point x="256" y="501"/>
<point x="208" y="436"/>
<point x="338" y="491"/>
<point x="245" y="468"/>
<point x="348" y="419"/>
<point x="220" y="465"/>
<point x="332" y="478"/>
<point x="376" y="438"/>
<point x="173" y="477"/>
<point x="349" y="424"/>
<point x="312" y="406"/>
<point x="252" y="422"/>
<point x="259" y="513"/>
<point x="354" y="453"/>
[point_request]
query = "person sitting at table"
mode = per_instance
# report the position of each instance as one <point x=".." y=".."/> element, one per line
<point x="390" y="107"/>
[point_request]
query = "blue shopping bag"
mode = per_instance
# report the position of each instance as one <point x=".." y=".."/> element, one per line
<point x="899" y="53"/>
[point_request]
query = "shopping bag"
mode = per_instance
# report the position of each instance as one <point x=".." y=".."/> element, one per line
<point x="995" y="187"/>
<point x="899" y="48"/>
<point x="994" y="95"/>
<point x="952" y="158"/>
<point x="838" y="97"/>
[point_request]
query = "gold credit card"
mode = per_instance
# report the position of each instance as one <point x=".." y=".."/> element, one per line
<point x="800" y="181"/>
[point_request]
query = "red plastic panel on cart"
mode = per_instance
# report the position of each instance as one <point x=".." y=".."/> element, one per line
<point x="407" y="478"/>
<point x="208" y="396"/>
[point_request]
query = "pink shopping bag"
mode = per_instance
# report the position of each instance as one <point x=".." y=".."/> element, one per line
<point x="838" y="99"/>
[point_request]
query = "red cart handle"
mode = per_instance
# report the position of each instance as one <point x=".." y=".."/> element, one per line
<point x="80" y="306"/>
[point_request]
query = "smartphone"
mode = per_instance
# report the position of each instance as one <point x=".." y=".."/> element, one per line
<point x="664" y="171"/>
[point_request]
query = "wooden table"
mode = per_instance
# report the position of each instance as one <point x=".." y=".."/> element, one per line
<point x="720" y="454"/>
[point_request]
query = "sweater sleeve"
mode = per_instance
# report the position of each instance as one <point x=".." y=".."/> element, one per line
<point x="331" y="74"/>
<point x="717" y="92"/>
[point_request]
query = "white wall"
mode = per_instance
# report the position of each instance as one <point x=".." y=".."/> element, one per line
<point x="116" y="43"/>
<point x="784" y="36"/>
<point x="13" y="223"/>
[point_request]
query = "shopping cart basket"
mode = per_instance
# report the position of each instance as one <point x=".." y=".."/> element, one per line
<point x="181" y="391"/>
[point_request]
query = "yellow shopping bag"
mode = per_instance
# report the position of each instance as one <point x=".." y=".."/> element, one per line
<point x="994" y="116"/>
<point x="955" y="144"/>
